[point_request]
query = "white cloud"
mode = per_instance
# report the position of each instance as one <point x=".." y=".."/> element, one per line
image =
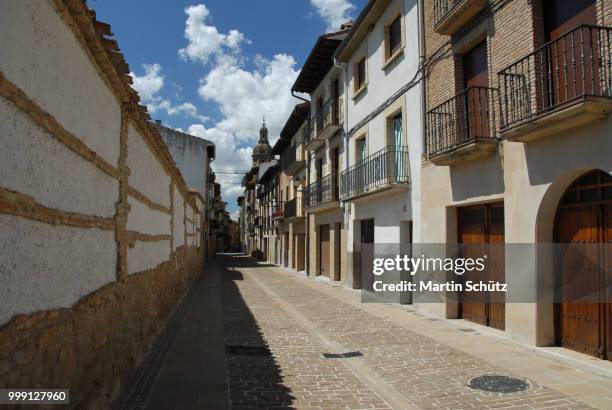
<point x="186" y="109"/>
<point x="204" y="40"/>
<point x="227" y="157"/>
<point x="334" y="12"/>
<point x="150" y="83"/>
<point x="243" y="96"/>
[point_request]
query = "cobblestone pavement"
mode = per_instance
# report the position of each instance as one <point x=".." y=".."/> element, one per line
<point x="266" y="307"/>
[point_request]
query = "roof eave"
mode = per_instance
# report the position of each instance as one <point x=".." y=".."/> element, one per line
<point x="368" y="16"/>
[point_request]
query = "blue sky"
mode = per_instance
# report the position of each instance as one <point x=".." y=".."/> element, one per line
<point x="214" y="68"/>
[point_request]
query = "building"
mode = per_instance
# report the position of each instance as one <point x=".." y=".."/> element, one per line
<point x="517" y="150"/>
<point x="101" y="235"/>
<point x="234" y="235"/>
<point x="324" y="144"/>
<point x="220" y="235"/>
<point x="380" y="181"/>
<point x="193" y="157"/>
<point x="292" y="180"/>
<point x="267" y="205"/>
<point x="453" y="123"/>
<point x="256" y="208"/>
<point x="248" y="208"/>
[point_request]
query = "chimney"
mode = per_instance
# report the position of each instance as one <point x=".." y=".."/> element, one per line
<point x="346" y="25"/>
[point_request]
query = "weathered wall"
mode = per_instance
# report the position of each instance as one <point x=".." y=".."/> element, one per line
<point x="99" y="235"/>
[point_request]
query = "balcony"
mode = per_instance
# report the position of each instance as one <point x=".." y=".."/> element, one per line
<point x="322" y="194"/>
<point x="323" y="125"/>
<point x="451" y="15"/>
<point x="292" y="161"/>
<point x="293" y="211"/>
<point x="261" y="191"/>
<point x="564" y="84"/>
<point x="383" y="170"/>
<point x="278" y="211"/>
<point x="462" y="128"/>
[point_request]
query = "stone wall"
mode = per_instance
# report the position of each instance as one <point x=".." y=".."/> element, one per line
<point x="99" y="234"/>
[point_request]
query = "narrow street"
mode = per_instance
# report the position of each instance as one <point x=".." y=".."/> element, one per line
<point x="278" y="339"/>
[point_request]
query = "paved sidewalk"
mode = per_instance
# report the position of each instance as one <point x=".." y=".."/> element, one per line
<point x="293" y="342"/>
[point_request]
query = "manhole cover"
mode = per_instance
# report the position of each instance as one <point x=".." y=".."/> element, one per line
<point x="499" y="384"/>
<point x="237" y="350"/>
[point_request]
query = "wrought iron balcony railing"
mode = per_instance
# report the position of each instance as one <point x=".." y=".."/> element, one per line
<point x="387" y="166"/>
<point x="278" y="210"/>
<point x="308" y="132"/>
<point x="325" y="122"/>
<point x="571" y="67"/>
<point x="443" y="8"/>
<point x="467" y="117"/>
<point x="293" y="209"/>
<point x="321" y="191"/>
<point x="328" y="115"/>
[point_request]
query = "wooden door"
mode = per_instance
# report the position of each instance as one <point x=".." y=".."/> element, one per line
<point x="324" y="249"/>
<point x="300" y="252"/>
<point x="496" y="265"/>
<point x="476" y="74"/>
<point x="583" y="220"/>
<point x="560" y="16"/>
<point x="578" y="324"/>
<point x="569" y="72"/>
<point x="484" y="224"/>
<point x="472" y="230"/>
<point x="608" y="272"/>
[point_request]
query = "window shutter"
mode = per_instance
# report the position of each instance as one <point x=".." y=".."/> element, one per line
<point x="387" y="48"/>
<point x="403" y="30"/>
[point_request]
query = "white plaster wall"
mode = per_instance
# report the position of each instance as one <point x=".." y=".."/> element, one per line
<point x="35" y="164"/>
<point x="40" y="54"/>
<point x="146" y="220"/>
<point x="179" y="216"/>
<point x="58" y="266"/>
<point x="382" y="83"/>
<point x="147" y="255"/>
<point x="387" y="211"/>
<point x="190" y="155"/>
<point x="147" y="173"/>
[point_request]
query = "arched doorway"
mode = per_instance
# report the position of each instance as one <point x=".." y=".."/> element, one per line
<point x="583" y="218"/>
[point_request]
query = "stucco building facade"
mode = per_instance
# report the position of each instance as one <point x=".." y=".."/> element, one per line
<point x="517" y="111"/>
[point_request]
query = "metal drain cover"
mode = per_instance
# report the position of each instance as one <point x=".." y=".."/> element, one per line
<point x="342" y="355"/>
<point x="499" y="384"/>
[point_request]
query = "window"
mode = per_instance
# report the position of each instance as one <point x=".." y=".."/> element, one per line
<point x="360" y="150"/>
<point x="395" y="35"/>
<point x="360" y="74"/>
